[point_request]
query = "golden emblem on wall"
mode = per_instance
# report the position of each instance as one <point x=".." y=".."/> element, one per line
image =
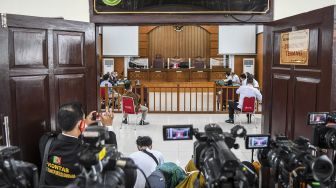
<point x="294" y="47"/>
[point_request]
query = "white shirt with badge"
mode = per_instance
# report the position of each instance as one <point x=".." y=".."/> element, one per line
<point x="247" y="91"/>
<point x="235" y="79"/>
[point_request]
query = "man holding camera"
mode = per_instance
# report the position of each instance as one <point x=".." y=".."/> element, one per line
<point x="243" y="91"/>
<point x="138" y="106"/>
<point x="60" y="168"/>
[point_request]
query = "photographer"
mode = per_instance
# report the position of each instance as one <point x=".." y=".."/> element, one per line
<point x="60" y="169"/>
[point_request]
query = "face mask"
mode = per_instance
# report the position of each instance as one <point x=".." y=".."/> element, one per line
<point x="82" y="126"/>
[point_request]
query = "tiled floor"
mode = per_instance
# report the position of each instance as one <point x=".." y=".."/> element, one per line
<point x="179" y="152"/>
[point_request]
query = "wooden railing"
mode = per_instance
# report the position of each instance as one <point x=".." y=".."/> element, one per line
<point x="178" y="99"/>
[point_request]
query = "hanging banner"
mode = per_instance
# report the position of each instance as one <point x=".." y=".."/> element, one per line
<point x="294" y="47"/>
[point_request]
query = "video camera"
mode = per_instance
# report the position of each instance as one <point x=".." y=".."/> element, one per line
<point x="14" y="173"/>
<point x="213" y="155"/>
<point x="292" y="163"/>
<point x="101" y="164"/>
<point x="324" y="136"/>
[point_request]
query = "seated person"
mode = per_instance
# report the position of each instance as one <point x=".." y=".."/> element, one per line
<point x="113" y="78"/>
<point x="158" y="62"/>
<point x="233" y="77"/>
<point x="255" y="82"/>
<point x="243" y="91"/>
<point x="194" y="176"/>
<point x="243" y="79"/>
<point x="63" y="152"/>
<point x="175" y="62"/>
<point x="138" y="106"/>
<point x="106" y="81"/>
<point x="146" y="158"/>
<point x="199" y="62"/>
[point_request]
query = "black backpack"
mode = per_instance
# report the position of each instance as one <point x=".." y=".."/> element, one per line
<point x="157" y="179"/>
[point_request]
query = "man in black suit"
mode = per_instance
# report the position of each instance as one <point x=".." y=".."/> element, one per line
<point x="63" y="152"/>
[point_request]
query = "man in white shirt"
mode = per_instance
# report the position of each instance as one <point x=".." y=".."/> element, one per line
<point x="235" y="78"/>
<point x="105" y="81"/>
<point x="243" y="79"/>
<point x="243" y="91"/>
<point x="146" y="159"/>
<point x="109" y="85"/>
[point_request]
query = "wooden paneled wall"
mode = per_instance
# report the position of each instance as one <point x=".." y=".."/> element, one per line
<point x="143" y="39"/>
<point x="191" y="42"/>
<point x="119" y="66"/>
<point x="259" y="59"/>
<point x="213" y="30"/>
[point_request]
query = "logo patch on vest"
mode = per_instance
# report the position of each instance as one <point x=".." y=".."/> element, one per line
<point x="56" y="160"/>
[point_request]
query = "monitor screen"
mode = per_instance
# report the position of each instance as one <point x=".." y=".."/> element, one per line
<point x="317" y="118"/>
<point x="177" y="132"/>
<point x="257" y="141"/>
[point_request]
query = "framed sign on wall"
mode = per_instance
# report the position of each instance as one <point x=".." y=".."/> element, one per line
<point x="294" y="47"/>
<point x="181" y="6"/>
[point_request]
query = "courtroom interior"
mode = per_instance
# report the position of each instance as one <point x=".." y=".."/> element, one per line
<point x="181" y="93"/>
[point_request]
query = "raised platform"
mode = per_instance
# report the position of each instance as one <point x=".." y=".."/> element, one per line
<point x="177" y="75"/>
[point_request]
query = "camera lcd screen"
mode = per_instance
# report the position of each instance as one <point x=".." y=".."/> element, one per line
<point x="318" y="118"/>
<point x="177" y="132"/>
<point x="257" y="141"/>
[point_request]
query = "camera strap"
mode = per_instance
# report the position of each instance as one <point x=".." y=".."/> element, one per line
<point x="45" y="158"/>
<point x="151" y="155"/>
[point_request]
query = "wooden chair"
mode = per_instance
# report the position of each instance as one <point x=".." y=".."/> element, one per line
<point x="158" y="63"/>
<point x="128" y="107"/>
<point x="199" y="63"/>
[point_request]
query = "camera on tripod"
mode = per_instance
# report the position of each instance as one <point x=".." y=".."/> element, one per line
<point x="324" y="135"/>
<point x="101" y="164"/>
<point x="212" y="154"/>
<point x="292" y="163"/>
<point x="16" y="173"/>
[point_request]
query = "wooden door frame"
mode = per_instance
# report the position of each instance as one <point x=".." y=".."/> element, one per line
<point x="268" y="57"/>
<point x="48" y="67"/>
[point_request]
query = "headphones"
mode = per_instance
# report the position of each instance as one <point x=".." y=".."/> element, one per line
<point x="82" y="126"/>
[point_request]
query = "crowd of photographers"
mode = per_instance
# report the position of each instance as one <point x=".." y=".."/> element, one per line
<point x="85" y="154"/>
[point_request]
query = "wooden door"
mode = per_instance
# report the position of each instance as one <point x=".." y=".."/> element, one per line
<point x="291" y="91"/>
<point x="44" y="63"/>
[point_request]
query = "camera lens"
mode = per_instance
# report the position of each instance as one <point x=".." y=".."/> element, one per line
<point x="322" y="168"/>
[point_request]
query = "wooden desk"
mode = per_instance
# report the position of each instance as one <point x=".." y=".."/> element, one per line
<point x="157" y="75"/>
<point x="177" y="75"/>
<point x="200" y="75"/>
